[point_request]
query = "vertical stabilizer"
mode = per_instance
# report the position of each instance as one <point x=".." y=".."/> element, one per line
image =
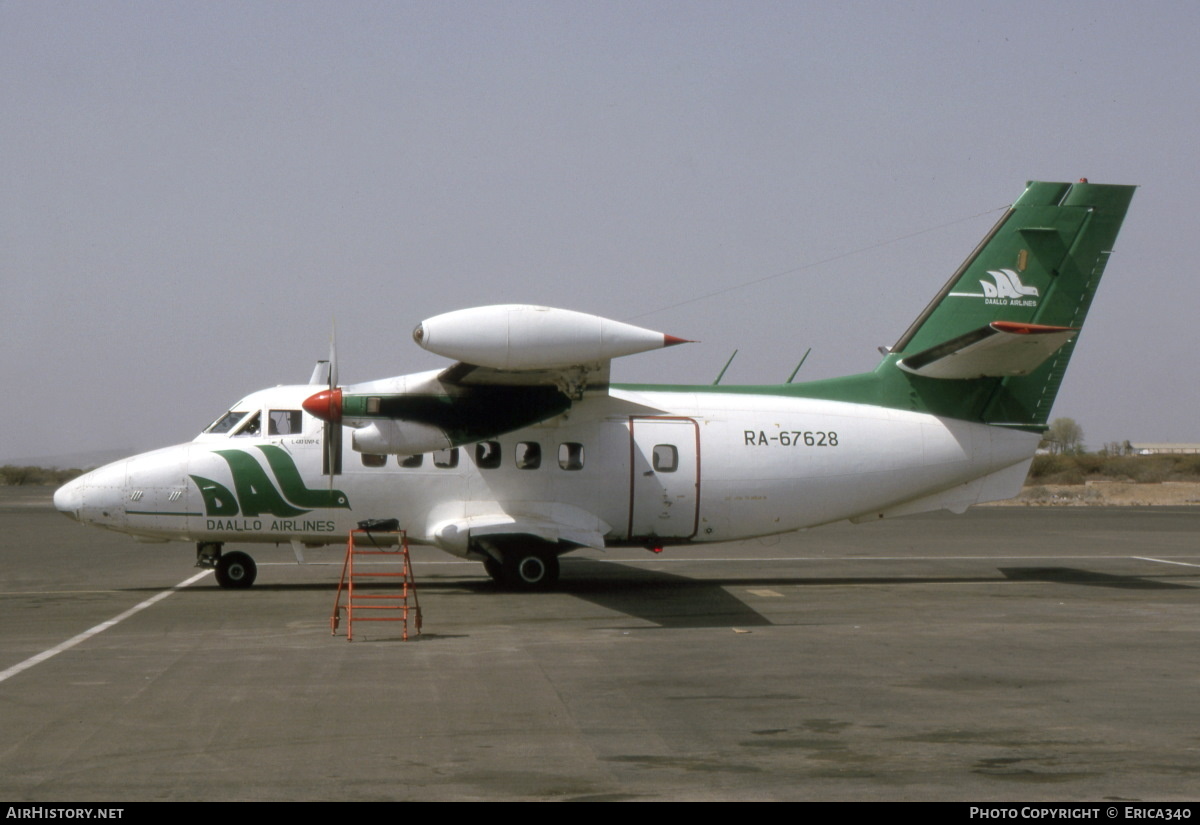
<point x="994" y="343"/>
<point x="1014" y="306"/>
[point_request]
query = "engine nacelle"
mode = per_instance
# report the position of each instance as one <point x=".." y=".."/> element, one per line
<point x="522" y="337"/>
<point x="398" y="438"/>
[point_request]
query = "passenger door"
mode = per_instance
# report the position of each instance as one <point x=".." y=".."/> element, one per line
<point x="664" y="483"/>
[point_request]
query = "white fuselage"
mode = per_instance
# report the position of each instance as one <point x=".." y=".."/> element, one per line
<point x="630" y="466"/>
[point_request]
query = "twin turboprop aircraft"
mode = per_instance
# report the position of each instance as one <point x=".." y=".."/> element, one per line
<point x="522" y="449"/>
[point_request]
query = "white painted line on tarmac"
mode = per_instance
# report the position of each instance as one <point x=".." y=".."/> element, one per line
<point x="100" y="628"/>
<point x="339" y="563"/>
<point x="572" y="559"/>
<point x="727" y="559"/>
<point x="1167" y="561"/>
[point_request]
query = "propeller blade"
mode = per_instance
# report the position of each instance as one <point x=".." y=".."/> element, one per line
<point x="333" y="364"/>
<point x="333" y="407"/>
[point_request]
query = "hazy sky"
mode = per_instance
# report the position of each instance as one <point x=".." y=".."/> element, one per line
<point x="192" y="192"/>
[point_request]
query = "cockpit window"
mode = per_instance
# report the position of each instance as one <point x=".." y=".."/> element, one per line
<point x="226" y="422"/>
<point x="250" y="428"/>
<point x="284" y="422"/>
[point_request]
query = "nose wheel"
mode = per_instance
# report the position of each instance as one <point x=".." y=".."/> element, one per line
<point x="234" y="571"/>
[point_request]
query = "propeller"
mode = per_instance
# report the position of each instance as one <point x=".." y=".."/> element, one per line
<point x="333" y="376"/>
<point x="333" y="425"/>
<point x="327" y="406"/>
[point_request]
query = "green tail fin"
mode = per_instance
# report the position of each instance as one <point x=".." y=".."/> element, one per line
<point x="1037" y="270"/>
<point x="994" y="344"/>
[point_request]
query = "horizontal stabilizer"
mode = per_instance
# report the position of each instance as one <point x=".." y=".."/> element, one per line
<point x="1002" y="348"/>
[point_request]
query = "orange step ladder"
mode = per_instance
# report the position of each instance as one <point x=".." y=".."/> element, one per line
<point x="392" y="605"/>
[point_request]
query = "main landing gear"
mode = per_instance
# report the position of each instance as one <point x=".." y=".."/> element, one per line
<point x="234" y="571"/>
<point x="525" y="566"/>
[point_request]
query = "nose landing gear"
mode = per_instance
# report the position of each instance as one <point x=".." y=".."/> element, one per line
<point x="234" y="571"/>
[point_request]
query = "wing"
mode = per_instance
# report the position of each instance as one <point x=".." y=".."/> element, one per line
<point x="517" y="365"/>
<point x="573" y="381"/>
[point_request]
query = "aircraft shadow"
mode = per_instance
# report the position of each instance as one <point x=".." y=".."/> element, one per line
<point x="1072" y="575"/>
<point x="672" y="601"/>
<point x="664" y="599"/>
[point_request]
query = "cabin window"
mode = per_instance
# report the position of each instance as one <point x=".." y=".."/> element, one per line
<point x="226" y="422"/>
<point x="284" y="422"/>
<point x="373" y="460"/>
<point x="570" y="455"/>
<point x="373" y="405"/>
<point x="410" y="461"/>
<point x="487" y="455"/>
<point x="528" y="455"/>
<point x="250" y="428"/>
<point x="445" y="459"/>
<point x="666" y="458"/>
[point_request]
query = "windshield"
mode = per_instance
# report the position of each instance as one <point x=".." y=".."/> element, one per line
<point x="226" y="422"/>
<point x="250" y="427"/>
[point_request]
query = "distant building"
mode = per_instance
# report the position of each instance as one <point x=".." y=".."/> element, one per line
<point x="1150" y="448"/>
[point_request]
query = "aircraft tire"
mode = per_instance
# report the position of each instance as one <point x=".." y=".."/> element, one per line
<point x="530" y="569"/>
<point x="236" y="571"/>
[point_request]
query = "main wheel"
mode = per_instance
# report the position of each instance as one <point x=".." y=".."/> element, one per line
<point x="530" y="569"/>
<point x="236" y="571"/>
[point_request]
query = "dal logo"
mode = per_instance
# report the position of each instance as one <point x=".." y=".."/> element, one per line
<point x="1008" y="285"/>
<point x="257" y="495"/>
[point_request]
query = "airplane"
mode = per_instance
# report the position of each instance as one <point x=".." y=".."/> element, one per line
<point x="523" y="449"/>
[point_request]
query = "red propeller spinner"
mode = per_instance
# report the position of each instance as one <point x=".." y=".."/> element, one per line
<point x="325" y="405"/>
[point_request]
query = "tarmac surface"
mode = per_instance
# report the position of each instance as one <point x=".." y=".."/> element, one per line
<point x="1009" y="654"/>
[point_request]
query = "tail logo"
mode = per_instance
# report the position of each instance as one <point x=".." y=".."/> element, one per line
<point x="1005" y="289"/>
<point x="1008" y="285"/>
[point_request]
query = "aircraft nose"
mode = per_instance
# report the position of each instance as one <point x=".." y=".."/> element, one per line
<point x="68" y="499"/>
<point x="96" y="497"/>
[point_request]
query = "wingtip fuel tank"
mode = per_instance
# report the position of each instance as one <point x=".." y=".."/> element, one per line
<point x="524" y="337"/>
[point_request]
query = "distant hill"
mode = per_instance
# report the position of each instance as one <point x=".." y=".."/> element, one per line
<point x="78" y="461"/>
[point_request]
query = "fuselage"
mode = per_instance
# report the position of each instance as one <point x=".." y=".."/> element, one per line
<point x="629" y="465"/>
